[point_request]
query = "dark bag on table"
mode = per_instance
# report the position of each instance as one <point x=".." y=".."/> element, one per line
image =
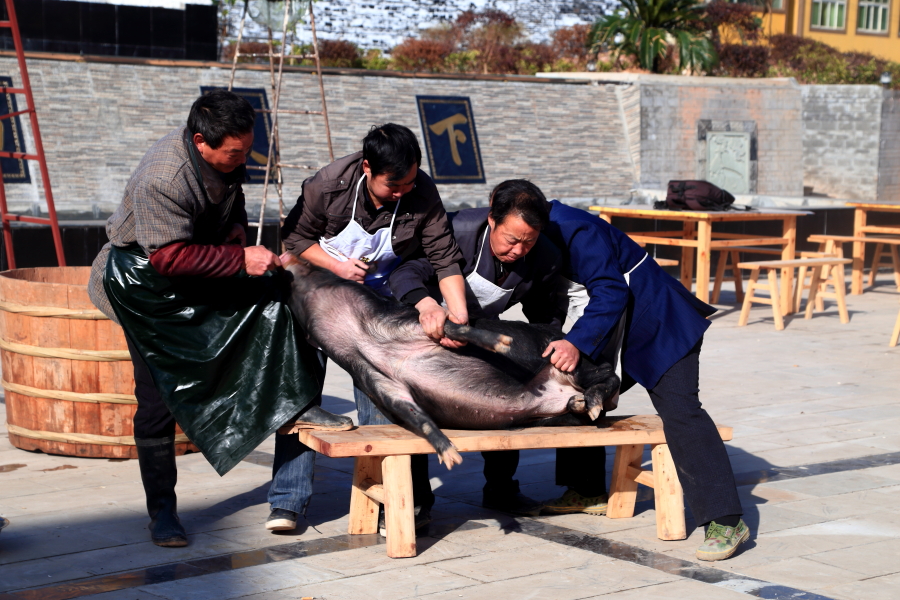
<point x="696" y="195"/>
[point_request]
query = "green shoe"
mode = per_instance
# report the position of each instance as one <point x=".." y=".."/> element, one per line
<point x="722" y="541"/>
<point x="573" y="502"/>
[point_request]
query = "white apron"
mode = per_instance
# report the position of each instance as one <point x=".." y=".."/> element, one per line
<point x="371" y="248"/>
<point x="491" y="298"/>
<point x="577" y="299"/>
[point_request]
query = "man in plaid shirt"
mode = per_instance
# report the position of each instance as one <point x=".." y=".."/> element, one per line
<point x="211" y="338"/>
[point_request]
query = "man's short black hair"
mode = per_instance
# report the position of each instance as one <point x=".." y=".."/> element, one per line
<point x="523" y="199"/>
<point x="220" y="114"/>
<point x="391" y="149"/>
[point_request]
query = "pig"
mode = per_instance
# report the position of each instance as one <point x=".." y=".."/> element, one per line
<point x="492" y="383"/>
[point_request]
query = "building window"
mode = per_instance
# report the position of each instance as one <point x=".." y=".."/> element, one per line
<point x="873" y="16"/>
<point x="777" y="4"/>
<point x="828" y="14"/>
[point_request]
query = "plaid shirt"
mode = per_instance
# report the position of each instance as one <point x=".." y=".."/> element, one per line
<point x="163" y="203"/>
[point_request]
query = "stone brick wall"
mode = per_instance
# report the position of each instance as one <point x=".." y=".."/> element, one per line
<point x="98" y="119"/>
<point x="889" y="155"/>
<point x="671" y="109"/>
<point x="841" y="140"/>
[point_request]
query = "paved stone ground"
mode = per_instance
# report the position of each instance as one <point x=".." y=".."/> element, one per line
<point x="815" y="413"/>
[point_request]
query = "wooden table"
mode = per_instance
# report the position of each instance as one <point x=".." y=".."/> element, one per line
<point x="860" y="229"/>
<point x="696" y="233"/>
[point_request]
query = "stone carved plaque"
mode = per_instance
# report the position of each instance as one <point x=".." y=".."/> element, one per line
<point x="728" y="160"/>
<point x="731" y="161"/>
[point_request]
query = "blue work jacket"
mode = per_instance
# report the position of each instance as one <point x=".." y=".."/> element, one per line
<point x="663" y="319"/>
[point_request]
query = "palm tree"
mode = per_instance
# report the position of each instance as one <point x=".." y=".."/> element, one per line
<point x="645" y="29"/>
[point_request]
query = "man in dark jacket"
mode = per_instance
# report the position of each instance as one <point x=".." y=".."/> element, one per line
<point x="211" y="338"/>
<point x="362" y="216"/>
<point x="506" y="261"/>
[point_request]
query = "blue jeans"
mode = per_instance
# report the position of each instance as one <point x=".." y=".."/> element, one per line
<point x="294" y="466"/>
<point x="368" y="414"/>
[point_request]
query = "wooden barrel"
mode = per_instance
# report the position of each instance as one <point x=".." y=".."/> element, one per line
<point x="66" y="368"/>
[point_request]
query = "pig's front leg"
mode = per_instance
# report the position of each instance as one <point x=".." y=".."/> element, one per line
<point x="396" y="399"/>
<point x="600" y="384"/>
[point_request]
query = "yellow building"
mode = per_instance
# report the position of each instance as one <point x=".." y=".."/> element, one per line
<point x="871" y="26"/>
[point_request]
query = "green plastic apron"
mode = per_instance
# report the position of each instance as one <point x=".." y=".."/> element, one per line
<point x="225" y="354"/>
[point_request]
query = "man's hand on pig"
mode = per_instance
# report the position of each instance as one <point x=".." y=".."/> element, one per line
<point x="432" y="317"/>
<point x="259" y="259"/>
<point x="564" y="355"/>
<point x="352" y="269"/>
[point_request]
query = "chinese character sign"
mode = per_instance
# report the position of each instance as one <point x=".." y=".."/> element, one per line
<point x="261" y="129"/>
<point x="450" y="140"/>
<point x="15" y="170"/>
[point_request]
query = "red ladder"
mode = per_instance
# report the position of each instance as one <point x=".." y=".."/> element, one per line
<point x="13" y="25"/>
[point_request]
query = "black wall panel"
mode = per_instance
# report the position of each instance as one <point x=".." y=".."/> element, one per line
<point x="113" y="30"/>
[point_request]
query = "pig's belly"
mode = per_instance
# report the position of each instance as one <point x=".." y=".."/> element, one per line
<point x="467" y="393"/>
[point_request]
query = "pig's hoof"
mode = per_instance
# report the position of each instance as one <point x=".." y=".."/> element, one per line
<point x="577" y="404"/>
<point x="595" y="411"/>
<point x="450" y="457"/>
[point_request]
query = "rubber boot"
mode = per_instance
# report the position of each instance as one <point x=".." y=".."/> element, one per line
<point x="156" y="457"/>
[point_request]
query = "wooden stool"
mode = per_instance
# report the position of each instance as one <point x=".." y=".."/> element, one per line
<point x="772" y="266"/>
<point x="876" y="263"/>
<point x="382" y="473"/>
<point x="722" y="263"/>
<point x="828" y="280"/>
<point x="834" y="244"/>
<point x="734" y="254"/>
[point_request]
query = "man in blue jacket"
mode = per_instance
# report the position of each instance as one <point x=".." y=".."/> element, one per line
<point x="619" y="298"/>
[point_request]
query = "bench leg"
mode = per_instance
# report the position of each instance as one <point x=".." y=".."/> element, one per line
<point x="876" y="262"/>
<point x="623" y="488"/>
<point x="813" y="291"/>
<point x="894" y="336"/>
<point x="837" y="275"/>
<point x="748" y="298"/>
<point x="772" y="276"/>
<point x="398" y="507"/>
<point x="895" y="256"/>
<point x="364" y="510"/>
<point x="668" y="496"/>
<point x="801" y="285"/>
<point x="720" y="275"/>
<point x="738" y="279"/>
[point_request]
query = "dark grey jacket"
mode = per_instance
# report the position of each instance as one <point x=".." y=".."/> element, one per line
<point x="324" y="208"/>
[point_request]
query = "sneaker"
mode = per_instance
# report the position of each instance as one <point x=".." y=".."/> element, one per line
<point x="281" y="519"/>
<point x="515" y="504"/>
<point x="722" y="541"/>
<point x="422" y="516"/>
<point x="573" y="502"/>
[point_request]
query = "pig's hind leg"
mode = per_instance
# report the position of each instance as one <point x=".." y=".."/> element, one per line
<point x="396" y="400"/>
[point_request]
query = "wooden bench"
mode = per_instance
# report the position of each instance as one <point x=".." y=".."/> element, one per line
<point x="772" y="266"/>
<point x="382" y="474"/>
<point x="734" y="254"/>
<point x="834" y="244"/>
